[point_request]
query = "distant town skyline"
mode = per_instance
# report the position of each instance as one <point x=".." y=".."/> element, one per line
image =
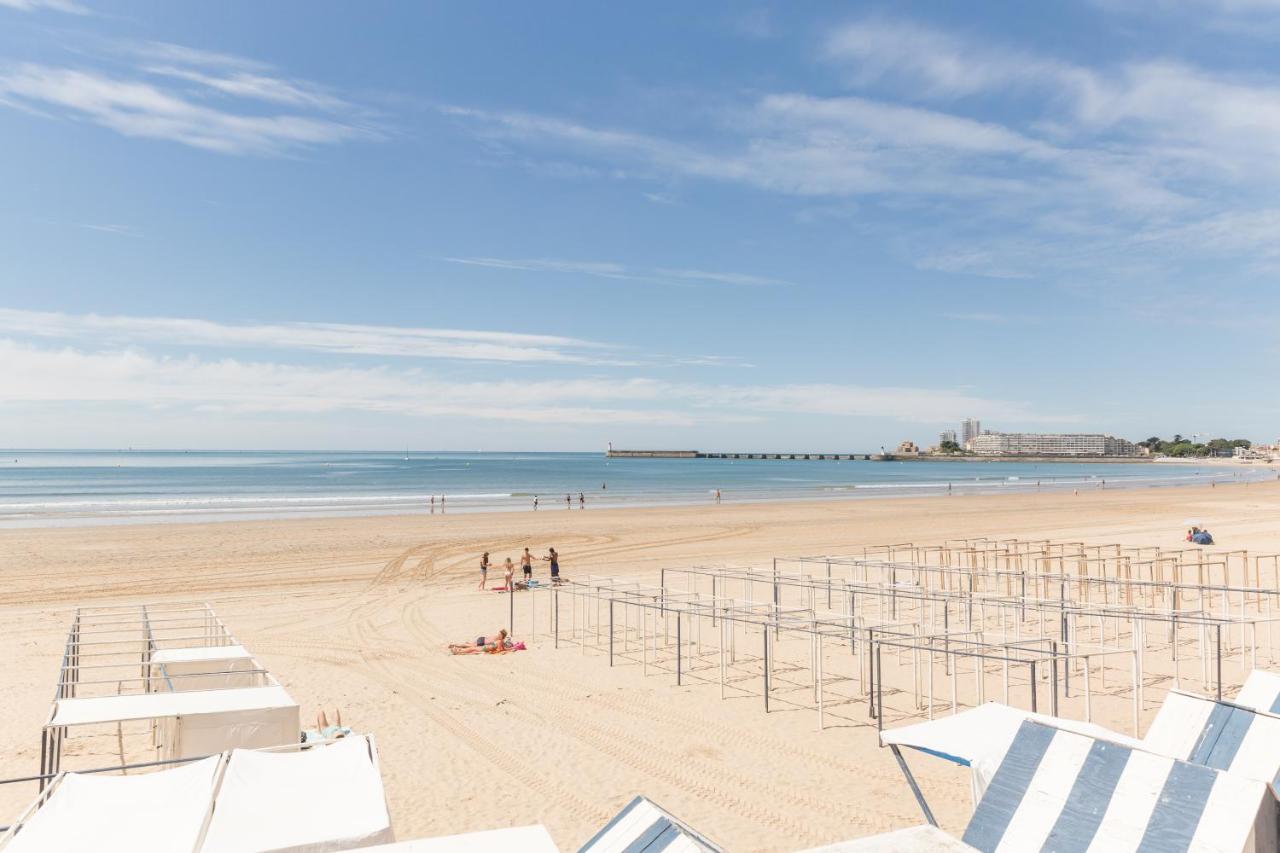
<point x="714" y="225"/>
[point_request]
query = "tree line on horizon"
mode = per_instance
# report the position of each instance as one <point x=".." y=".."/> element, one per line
<point x="1179" y="446"/>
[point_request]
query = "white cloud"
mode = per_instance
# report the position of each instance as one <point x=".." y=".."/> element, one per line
<point x="344" y="339"/>
<point x="929" y="62"/>
<point x="609" y="269"/>
<point x="140" y="109"/>
<point x="243" y="84"/>
<point x="208" y="100"/>
<point x="1085" y="170"/>
<point x="35" y="375"/>
<point x="53" y="5"/>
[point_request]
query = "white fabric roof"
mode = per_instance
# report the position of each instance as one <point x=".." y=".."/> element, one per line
<point x="986" y="729"/>
<point x="643" y="826"/>
<point x="1261" y="692"/>
<point x="916" y="839"/>
<point x="110" y="709"/>
<point x="526" y="839"/>
<point x="327" y="798"/>
<point x="161" y="811"/>
<point x="200" y="653"/>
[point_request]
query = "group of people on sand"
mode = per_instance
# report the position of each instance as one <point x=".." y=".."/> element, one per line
<point x="526" y="568"/>
<point x="1200" y="536"/>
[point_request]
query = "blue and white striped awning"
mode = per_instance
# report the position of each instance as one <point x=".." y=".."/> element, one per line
<point x="643" y="827"/>
<point x="1059" y="791"/>
<point x="1261" y="692"/>
<point x="1221" y="735"/>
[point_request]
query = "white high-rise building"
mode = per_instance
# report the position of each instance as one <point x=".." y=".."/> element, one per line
<point x="1051" y="444"/>
<point x="970" y="428"/>
<point x="945" y="436"/>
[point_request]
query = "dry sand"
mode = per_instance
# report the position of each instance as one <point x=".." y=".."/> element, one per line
<point x="355" y="612"/>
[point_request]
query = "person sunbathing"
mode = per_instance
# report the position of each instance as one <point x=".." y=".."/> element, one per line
<point x="481" y="644"/>
<point x="324" y="731"/>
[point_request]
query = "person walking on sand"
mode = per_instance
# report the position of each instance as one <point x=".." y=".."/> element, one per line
<point x="508" y="574"/>
<point x="526" y="565"/>
<point x="535" y="503"/>
<point x="554" y="559"/>
<point x="484" y="568"/>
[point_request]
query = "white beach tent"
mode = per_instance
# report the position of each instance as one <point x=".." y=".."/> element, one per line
<point x="329" y="798"/>
<point x="324" y="798"/>
<point x="645" y="827"/>
<point x="1055" y="789"/>
<point x="1261" y="692"/>
<point x="204" y="668"/>
<point x="161" y="811"/>
<point x="193" y="723"/>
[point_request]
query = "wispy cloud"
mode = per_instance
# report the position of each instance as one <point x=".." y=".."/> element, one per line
<point x="121" y="230"/>
<point x="199" y="98"/>
<point x="343" y="339"/>
<point x="52" y="5"/>
<point x="1012" y="163"/>
<point x="188" y="383"/>
<point x="609" y="269"/>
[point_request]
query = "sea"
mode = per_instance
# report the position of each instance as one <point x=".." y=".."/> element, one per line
<point x="80" y="487"/>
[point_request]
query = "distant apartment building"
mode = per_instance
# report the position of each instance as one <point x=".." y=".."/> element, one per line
<point x="970" y="429"/>
<point x="945" y="436"/>
<point x="1051" y="444"/>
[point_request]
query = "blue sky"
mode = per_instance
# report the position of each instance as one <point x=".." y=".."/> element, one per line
<point x="548" y="226"/>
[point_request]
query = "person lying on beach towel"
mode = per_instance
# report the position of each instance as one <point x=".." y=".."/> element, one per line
<point x="324" y="731"/>
<point x="481" y="644"/>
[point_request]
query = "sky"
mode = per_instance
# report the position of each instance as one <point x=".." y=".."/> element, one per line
<point x="716" y="226"/>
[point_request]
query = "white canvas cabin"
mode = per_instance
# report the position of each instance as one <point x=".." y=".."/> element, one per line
<point x="318" y="798"/>
<point x="177" y="669"/>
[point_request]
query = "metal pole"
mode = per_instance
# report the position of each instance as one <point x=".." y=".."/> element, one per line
<point x="1033" y="687"/>
<point x="911" y="780"/>
<point x="555" y="602"/>
<point x="611" y="632"/>
<point x="879" y="692"/>
<point x="765" y="635"/>
<point x="679" y="648"/>
<point x="511" y="612"/>
<point x="1218" y="644"/>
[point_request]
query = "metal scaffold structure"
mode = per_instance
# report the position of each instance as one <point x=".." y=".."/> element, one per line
<point x="906" y="630"/>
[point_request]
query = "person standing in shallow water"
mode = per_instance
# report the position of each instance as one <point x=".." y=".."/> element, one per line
<point x="582" y="501"/>
<point x="568" y="502"/>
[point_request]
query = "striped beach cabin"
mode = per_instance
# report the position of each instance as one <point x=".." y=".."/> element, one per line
<point x="1055" y="790"/>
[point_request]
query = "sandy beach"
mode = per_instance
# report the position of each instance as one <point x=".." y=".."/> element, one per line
<point x="354" y="613"/>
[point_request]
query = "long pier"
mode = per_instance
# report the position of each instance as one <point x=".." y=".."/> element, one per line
<point x="700" y="454"/>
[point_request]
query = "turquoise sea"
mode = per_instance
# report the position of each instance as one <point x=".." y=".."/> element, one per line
<point x="59" y="487"/>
